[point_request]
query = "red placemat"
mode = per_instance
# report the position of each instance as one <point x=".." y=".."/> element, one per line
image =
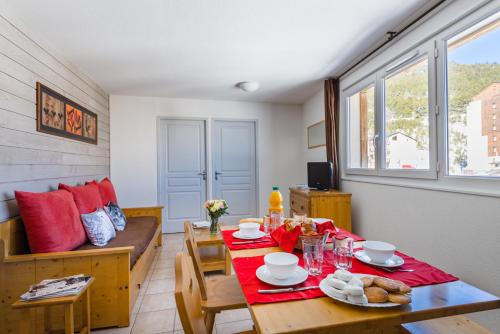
<point x="423" y="274"/>
<point x="227" y="235"/>
<point x="245" y="268"/>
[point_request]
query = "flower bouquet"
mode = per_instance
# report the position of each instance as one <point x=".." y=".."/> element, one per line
<point x="215" y="208"/>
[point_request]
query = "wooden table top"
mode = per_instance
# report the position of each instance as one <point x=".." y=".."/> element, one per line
<point x="52" y="301"/>
<point x="203" y="237"/>
<point x="322" y="315"/>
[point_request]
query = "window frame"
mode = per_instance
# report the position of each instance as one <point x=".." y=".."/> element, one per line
<point x="410" y="58"/>
<point x="442" y="84"/>
<point x="377" y="79"/>
<point x="354" y="89"/>
<point x="472" y="185"/>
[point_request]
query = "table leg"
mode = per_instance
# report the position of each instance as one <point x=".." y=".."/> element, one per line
<point x="69" y="324"/>
<point x="227" y="269"/>
<point x="25" y="322"/>
<point x="86" y="310"/>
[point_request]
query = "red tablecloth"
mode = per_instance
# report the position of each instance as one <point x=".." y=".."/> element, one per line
<point x="227" y="235"/>
<point x="246" y="267"/>
<point x="287" y="240"/>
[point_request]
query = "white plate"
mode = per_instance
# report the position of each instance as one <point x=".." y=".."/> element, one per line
<point x="257" y="235"/>
<point x="299" y="276"/>
<point x="323" y="284"/>
<point x="394" y="261"/>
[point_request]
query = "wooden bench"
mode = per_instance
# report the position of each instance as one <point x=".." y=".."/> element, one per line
<point x="114" y="292"/>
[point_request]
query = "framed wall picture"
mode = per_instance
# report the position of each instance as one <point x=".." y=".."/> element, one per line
<point x="316" y="135"/>
<point x="58" y="115"/>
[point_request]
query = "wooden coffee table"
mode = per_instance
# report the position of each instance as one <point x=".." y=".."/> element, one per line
<point x="68" y="302"/>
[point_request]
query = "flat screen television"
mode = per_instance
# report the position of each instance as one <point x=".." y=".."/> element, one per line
<point x="320" y="175"/>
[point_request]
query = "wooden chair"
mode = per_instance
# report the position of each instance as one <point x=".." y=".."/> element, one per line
<point x="194" y="317"/>
<point x="218" y="293"/>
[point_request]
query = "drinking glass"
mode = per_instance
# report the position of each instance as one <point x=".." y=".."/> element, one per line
<point x="275" y="221"/>
<point x="342" y="252"/>
<point x="267" y="225"/>
<point x="300" y="217"/>
<point x="312" y="249"/>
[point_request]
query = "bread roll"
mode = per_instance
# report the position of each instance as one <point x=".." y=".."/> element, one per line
<point x="386" y="284"/>
<point x="403" y="288"/>
<point x="367" y="281"/>
<point x="399" y="299"/>
<point x="252" y="220"/>
<point x="376" y="295"/>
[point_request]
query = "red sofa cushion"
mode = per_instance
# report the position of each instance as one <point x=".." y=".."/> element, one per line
<point x="87" y="198"/>
<point x="51" y="220"/>
<point x="106" y="190"/>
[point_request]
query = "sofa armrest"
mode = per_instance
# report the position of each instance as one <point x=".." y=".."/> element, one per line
<point x="68" y="254"/>
<point x="151" y="211"/>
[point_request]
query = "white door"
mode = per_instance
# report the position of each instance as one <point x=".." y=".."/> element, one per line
<point x="182" y="173"/>
<point x="234" y="165"/>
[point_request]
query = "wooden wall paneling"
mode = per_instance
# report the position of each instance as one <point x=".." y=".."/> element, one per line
<point x="8" y="206"/>
<point x="10" y="155"/>
<point x="10" y="31"/>
<point x="49" y="75"/>
<point x="23" y="122"/>
<point x="34" y="161"/>
<point x="10" y="137"/>
<point x="22" y="119"/>
<point x="22" y="173"/>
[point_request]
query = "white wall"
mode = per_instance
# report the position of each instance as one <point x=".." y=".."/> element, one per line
<point x="32" y="160"/>
<point x="313" y="111"/>
<point x="134" y="142"/>
<point x="457" y="232"/>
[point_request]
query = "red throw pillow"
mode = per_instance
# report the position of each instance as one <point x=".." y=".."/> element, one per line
<point x="106" y="190"/>
<point x="87" y="198"/>
<point x="51" y="220"/>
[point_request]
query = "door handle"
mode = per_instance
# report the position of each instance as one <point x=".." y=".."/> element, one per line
<point x="204" y="174"/>
<point x="217" y="175"/>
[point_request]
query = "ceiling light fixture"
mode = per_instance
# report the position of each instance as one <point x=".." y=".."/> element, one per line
<point x="248" y="86"/>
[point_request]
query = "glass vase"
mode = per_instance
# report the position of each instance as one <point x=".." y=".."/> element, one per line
<point x="214" y="226"/>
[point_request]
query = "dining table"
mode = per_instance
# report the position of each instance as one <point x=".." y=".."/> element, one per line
<point x="325" y="315"/>
<point x="204" y="238"/>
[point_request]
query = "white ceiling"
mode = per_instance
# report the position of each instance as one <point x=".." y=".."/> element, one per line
<point x="201" y="48"/>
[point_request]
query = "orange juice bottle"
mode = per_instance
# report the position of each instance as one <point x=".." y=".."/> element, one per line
<point x="275" y="201"/>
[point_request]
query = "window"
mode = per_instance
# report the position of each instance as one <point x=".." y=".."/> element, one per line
<point x="473" y="75"/>
<point x="362" y="128"/>
<point x="407" y="117"/>
<point x="435" y="122"/>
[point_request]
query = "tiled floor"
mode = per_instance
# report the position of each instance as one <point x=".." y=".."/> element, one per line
<point x="155" y="310"/>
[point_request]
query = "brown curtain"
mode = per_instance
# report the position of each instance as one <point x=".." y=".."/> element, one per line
<point x="332" y="107"/>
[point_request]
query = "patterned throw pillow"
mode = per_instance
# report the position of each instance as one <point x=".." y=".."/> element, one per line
<point x="117" y="216"/>
<point x="98" y="227"/>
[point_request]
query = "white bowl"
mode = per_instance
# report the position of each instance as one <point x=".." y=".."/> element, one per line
<point x="379" y="251"/>
<point x="281" y="265"/>
<point x="249" y="229"/>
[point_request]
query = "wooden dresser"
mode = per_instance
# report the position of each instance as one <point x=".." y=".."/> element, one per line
<point x="331" y="204"/>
